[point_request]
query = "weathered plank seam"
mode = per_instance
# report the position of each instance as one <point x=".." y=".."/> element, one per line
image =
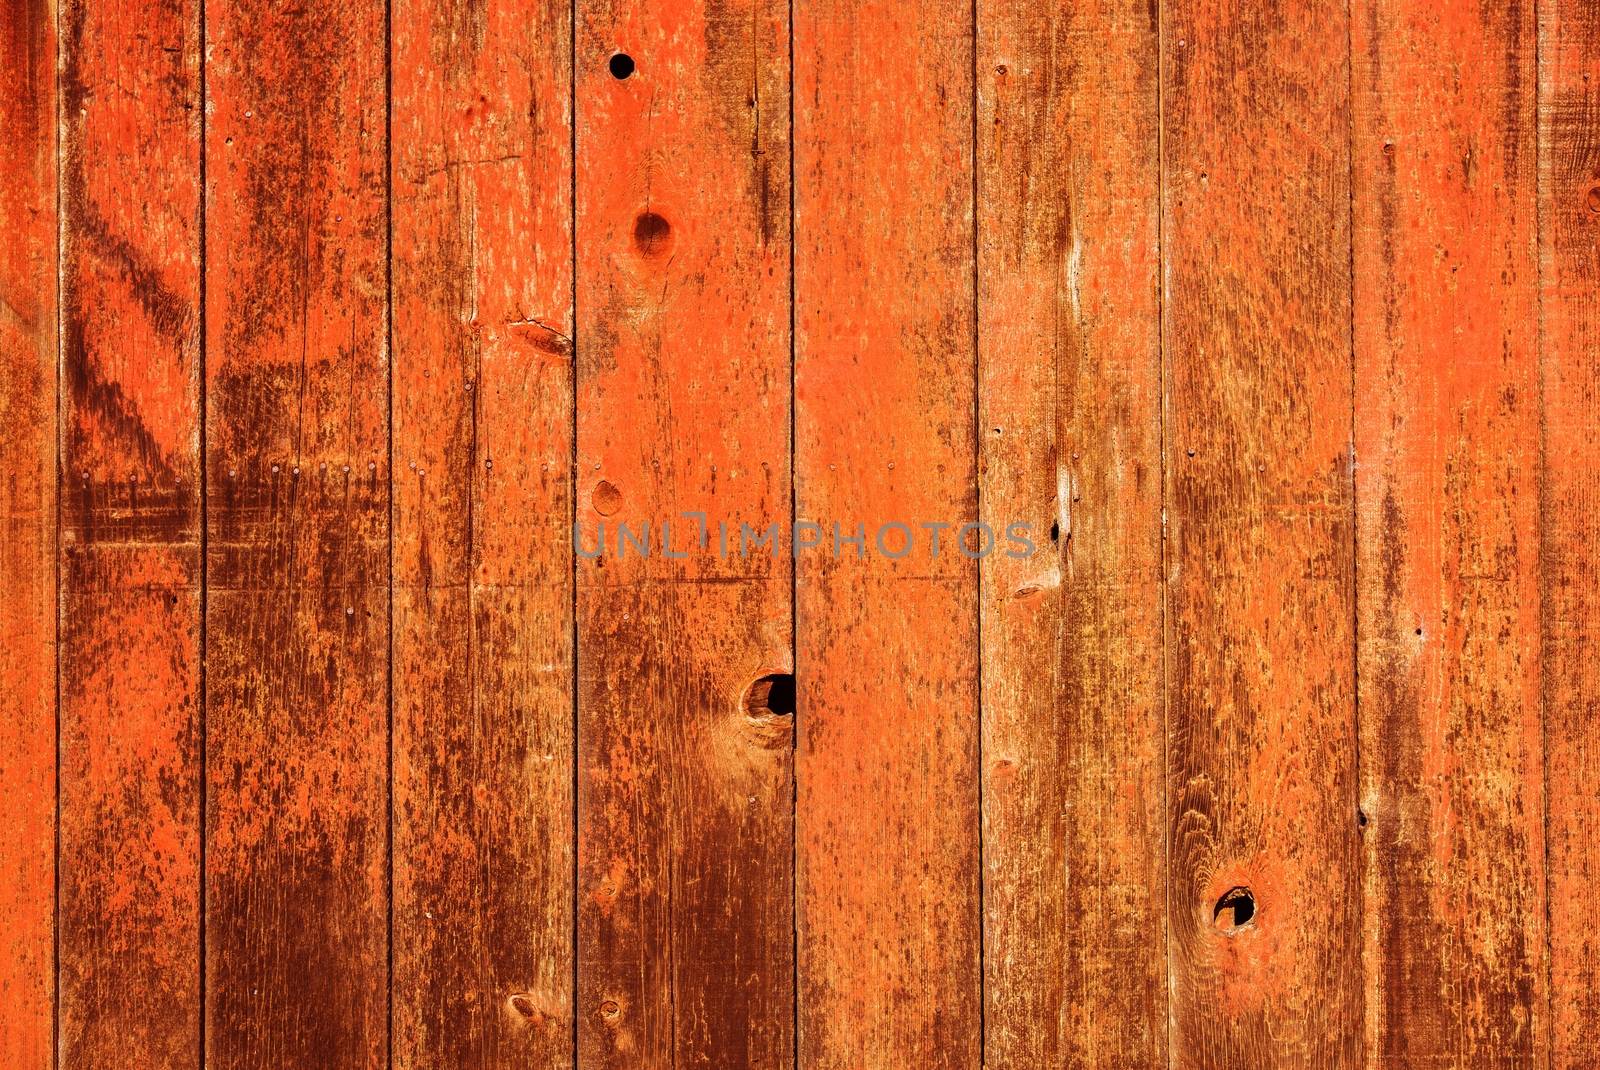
<point x="1543" y="554"/>
<point x="204" y="772"/>
<point x="57" y="114"/>
<point x="1355" y="507"/>
<point x="794" y="598"/>
<point x="1161" y="454"/>
<point x="977" y="573"/>
<point x="572" y="495"/>
<point x="388" y="698"/>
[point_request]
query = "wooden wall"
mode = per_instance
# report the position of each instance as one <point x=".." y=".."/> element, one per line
<point x="327" y="329"/>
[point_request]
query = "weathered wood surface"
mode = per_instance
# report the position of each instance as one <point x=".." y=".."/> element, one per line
<point x="1447" y="434"/>
<point x="27" y="531"/>
<point x="298" y="549"/>
<point x="322" y="325"/>
<point x="685" y="792"/>
<point x="1075" y="970"/>
<point x="130" y="535"/>
<point x="885" y="366"/>
<point x="482" y="292"/>
<point x="1258" y="563"/>
<point x="1569" y="485"/>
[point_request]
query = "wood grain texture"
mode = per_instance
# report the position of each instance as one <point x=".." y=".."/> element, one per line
<point x="685" y="811"/>
<point x="297" y="635"/>
<point x="885" y="382"/>
<point x="1447" y="432"/>
<point x="1256" y="240"/>
<point x="1070" y="417"/>
<point x="482" y="293"/>
<point x="130" y="539"/>
<point x="1569" y="157"/>
<point x="28" y="408"/>
<point x="317" y="748"/>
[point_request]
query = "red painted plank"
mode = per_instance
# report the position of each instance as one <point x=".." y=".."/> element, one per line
<point x="1447" y="431"/>
<point x="1569" y="157"/>
<point x="27" y="530"/>
<point x="685" y="846"/>
<point x="483" y="834"/>
<point x="297" y="636"/>
<point x="1069" y="353"/>
<point x="130" y="541"/>
<point x="885" y="377"/>
<point x="1263" y="837"/>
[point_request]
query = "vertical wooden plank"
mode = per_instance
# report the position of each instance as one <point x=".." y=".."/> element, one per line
<point x="27" y="530"/>
<point x="483" y="835"/>
<point x="1069" y="357"/>
<point x="885" y="381"/>
<point x="1569" y="156"/>
<point x="1447" y="431"/>
<point x="297" y="596"/>
<point x="685" y="935"/>
<point x="130" y="598"/>
<point x="1264" y="907"/>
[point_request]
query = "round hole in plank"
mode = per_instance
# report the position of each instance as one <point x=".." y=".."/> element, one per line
<point x="621" y="65"/>
<point x="1234" y="910"/>
<point x="771" y="695"/>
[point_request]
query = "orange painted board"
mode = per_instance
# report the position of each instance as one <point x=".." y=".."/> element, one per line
<point x="482" y="293"/>
<point x="1261" y="337"/>
<point x="1264" y="903"/>
<point x="887" y="810"/>
<point x="1569" y="592"/>
<point x="1447" y="432"/>
<point x="130" y="538"/>
<point x="297" y="521"/>
<point x="685" y="849"/>
<point x="28" y="445"/>
<point x="1075" y="970"/>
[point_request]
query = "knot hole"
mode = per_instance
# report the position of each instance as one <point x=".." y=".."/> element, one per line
<point x="1234" y="910"/>
<point x="770" y="696"/>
